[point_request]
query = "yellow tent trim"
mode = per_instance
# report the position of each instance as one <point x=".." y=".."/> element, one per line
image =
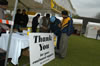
<point x="30" y="13"/>
<point x="53" y="4"/>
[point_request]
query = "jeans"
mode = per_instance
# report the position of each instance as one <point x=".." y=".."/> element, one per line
<point x="98" y="35"/>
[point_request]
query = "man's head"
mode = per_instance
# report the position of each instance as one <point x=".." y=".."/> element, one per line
<point x="52" y="19"/>
<point x="38" y="15"/>
<point x="3" y="2"/>
<point x="18" y="11"/>
<point x="23" y="11"/>
<point x="47" y="15"/>
<point x="64" y="13"/>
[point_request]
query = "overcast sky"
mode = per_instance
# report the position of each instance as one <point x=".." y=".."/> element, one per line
<point x="87" y="8"/>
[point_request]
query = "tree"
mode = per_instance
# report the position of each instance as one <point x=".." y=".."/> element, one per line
<point x="98" y="15"/>
<point x="76" y="16"/>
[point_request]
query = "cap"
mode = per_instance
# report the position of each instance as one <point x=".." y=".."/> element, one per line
<point x="52" y="19"/>
<point x="64" y="12"/>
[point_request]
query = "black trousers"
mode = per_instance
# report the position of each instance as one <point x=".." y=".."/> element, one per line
<point x="98" y="35"/>
<point x="34" y="29"/>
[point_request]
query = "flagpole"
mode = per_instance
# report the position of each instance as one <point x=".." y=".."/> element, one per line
<point x="11" y="30"/>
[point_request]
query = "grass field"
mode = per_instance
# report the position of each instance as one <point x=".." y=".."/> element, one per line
<point x="81" y="52"/>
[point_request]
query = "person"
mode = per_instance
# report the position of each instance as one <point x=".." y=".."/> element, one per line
<point x="98" y="34"/>
<point x="64" y="34"/>
<point x="3" y="7"/>
<point x="45" y="23"/>
<point x="24" y="18"/>
<point x="35" y="22"/>
<point x="17" y="20"/>
<point x="55" y="29"/>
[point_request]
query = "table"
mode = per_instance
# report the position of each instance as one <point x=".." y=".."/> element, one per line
<point x="18" y="42"/>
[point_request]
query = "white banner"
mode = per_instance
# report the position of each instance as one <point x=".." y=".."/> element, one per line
<point x="41" y="48"/>
<point x="40" y="1"/>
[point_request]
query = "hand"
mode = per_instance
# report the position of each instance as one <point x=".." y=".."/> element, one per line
<point x="59" y="25"/>
<point x="45" y="28"/>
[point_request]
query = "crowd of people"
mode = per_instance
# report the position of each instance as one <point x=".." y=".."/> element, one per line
<point x="47" y="24"/>
<point x="21" y="19"/>
<point x="60" y="29"/>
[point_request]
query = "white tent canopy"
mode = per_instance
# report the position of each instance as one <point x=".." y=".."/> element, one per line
<point x="40" y="1"/>
<point x="77" y="26"/>
<point x="42" y="6"/>
<point x="67" y="5"/>
<point x="31" y="4"/>
<point x="91" y="30"/>
<point x="60" y="18"/>
<point x="77" y="21"/>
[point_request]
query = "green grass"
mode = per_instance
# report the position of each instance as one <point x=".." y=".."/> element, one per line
<point x="81" y="52"/>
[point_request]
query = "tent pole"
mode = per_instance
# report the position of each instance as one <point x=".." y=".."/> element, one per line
<point x="11" y="30"/>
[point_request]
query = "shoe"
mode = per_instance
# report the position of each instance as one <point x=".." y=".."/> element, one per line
<point x="57" y="52"/>
<point x="61" y="57"/>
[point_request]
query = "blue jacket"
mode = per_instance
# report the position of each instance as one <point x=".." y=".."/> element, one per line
<point x="67" y="26"/>
<point x="54" y="27"/>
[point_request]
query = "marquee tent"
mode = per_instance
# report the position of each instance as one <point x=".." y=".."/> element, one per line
<point x="26" y="4"/>
<point x="41" y="6"/>
<point x="91" y="30"/>
<point x="77" y="21"/>
<point x="77" y="25"/>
